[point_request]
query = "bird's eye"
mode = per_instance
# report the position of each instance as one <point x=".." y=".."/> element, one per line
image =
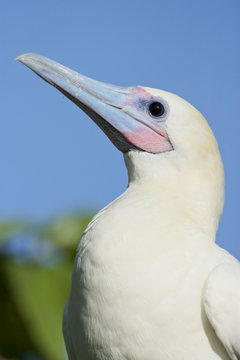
<point x="156" y="109"/>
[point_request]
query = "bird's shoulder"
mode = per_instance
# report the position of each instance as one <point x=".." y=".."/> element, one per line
<point x="221" y="302"/>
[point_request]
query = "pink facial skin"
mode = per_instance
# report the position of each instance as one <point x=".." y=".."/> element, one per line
<point x="148" y="140"/>
<point x="148" y="134"/>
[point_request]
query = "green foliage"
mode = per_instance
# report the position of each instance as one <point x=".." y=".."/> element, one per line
<point x="8" y="228"/>
<point x="65" y="232"/>
<point x="33" y="292"/>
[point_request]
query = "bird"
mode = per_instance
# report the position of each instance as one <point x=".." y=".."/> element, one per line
<point x="149" y="281"/>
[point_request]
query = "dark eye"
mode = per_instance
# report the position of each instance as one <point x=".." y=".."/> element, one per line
<point x="156" y="109"/>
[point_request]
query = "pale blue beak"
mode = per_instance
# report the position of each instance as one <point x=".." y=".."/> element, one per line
<point x="102" y="102"/>
<point x="121" y="112"/>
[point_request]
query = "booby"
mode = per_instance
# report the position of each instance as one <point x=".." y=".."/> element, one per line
<point x="149" y="282"/>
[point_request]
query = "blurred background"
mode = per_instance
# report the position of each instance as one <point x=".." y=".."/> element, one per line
<point x="58" y="169"/>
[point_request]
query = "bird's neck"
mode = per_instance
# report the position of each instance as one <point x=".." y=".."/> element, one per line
<point x="183" y="191"/>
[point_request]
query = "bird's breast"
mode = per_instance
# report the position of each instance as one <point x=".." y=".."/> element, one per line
<point x="127" y="284"/>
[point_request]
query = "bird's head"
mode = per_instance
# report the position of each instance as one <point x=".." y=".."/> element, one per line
<point x="162" y="136"/>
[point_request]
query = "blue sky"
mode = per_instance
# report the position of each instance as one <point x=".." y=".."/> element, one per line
<point x="53" y="158"/>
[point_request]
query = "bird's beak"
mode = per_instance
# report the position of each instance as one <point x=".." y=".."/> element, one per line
<point x="107" y="105"/>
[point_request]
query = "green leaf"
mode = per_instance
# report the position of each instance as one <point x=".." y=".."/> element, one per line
<point x="39" y="295"/>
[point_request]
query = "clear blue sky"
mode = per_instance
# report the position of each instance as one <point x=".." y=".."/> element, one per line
<point x="53" y="158"/>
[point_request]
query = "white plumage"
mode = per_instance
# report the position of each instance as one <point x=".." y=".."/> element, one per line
<point x="149" y="283"/>
<point x="147" y="280"/>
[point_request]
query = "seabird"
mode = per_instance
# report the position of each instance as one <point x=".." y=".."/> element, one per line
<point x="149" y="282"/>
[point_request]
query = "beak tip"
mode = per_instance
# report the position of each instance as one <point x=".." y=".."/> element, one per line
<point x="23" y="57"/>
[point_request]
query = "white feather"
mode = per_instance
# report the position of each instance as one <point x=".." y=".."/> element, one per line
<point x="142" y="264"/>
<point x="221" y="301"/>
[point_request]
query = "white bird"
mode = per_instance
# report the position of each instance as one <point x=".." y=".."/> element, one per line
<point x="148" y="282"/>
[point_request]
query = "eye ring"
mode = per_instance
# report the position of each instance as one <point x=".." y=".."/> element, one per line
<point x="156" y="109"/>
